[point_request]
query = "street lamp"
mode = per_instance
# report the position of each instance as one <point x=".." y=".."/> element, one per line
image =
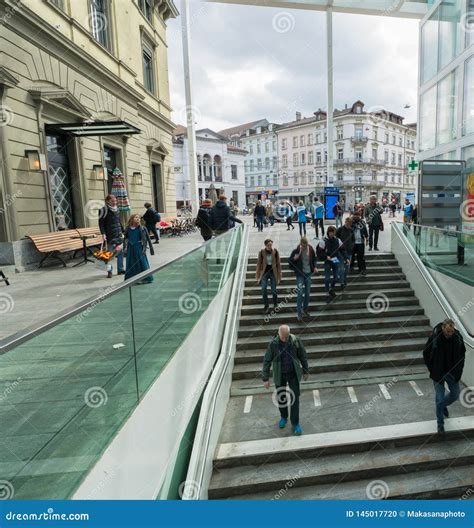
<point x="36" y="160"/>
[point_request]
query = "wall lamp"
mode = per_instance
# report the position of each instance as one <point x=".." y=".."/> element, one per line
<point x="137" y="178"/>
<point x="99" y="172"/>
<point x="36" y="160"/>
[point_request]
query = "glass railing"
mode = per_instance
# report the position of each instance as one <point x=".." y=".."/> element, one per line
<point x="68" y="386"/>
<point x="445" y="250"/>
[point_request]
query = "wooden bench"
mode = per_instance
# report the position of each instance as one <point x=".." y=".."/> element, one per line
<point x="61" y="242"/>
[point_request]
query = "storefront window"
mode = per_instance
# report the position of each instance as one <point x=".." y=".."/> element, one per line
<point x="429" y="47"/>
<point x="428" y="119"/>
<point x="449" y="32"/>
<point x="446" y="109"/>
<point x="468" y="117"/>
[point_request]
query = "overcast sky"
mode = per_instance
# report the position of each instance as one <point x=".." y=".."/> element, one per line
<point x="250" y="63"/>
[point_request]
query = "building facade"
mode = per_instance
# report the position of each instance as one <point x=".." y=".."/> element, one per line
<point x="259" y="139"/>
<point x="446" y="82"/>
<point x="372" y="151"/>
<point x="218" y="163"/>
<point x="89" y="64"/>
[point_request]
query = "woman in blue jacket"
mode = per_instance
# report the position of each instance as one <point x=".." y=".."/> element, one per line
<point x="301" y="213"/>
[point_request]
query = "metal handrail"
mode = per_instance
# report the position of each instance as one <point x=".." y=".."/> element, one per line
<point x="200" y="453"/>
<point x="18" y="338"/>
<point x="443" y="229"/>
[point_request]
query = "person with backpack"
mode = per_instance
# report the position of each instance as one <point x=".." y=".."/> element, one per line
<point x="301" y="214"/>
<point x="373" y="217"/>
<point x="268" y="269"/>
<point x="361" y="238"/>
<point x="331" y="251"/>
<point x="346" y="235"/>
<point x="151" y="218"/>
<point x="287" y="357"/>
<point x="112" y="232"/>
<point x="259" y="215"/>
<point x="444" y="355"/>
<point x="318" y="217"/>
<point x="203" y="221"/>
<point x="338" y="214"/>
<point x="289" y="218"/>
<point x="303" y="262"/>
<point x="407" y="214"/>
<point x="136" y="240"/>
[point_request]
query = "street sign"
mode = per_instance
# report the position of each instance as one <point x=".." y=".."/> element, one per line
<point x="358" y="188"/>
<point x="332" y="190"/>
<point x="413" y="165"/>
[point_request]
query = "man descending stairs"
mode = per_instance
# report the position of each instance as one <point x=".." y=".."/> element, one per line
<point x="366" y="409"/>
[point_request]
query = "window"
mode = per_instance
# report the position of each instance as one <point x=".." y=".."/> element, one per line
<point x="358" y="155"/>
<point x="259" y="180"/>
<point x="468" y="118"/>
<point x="283" y="143"/>
<point x="376" y="133"/>
<point x="399" y="160"/>
<point x="374" y="176"/>
<point x="267" y="180"/>
<point x="295" y="160"/>
<point x="428" y="119"/>
<point x="267" y="163"/>
<point x="302" y="138"/>
<point x="340" y="175"/>
<point x="148" y="68"/>
<point x="400" y="141"/>
<point x="251" y="149"/>
<point x="285" y="179"/>
<point x="274" y="145"/>
<point x="394" y="139"/>
<point x="385" y="156"/>
<point x="374" y="153"/>
<point x="310" y="139"/>
<point x="310" y="157"/>
<point x="146" y="7"/>
<point x="259" y="164"/>
<point x="325" y="136"/>
<point x="295" y="142"/>
<point x="275" y="180"/>
<point x="267" y="147"/>
<point x="325" y="156"/>
<point x="386" y="138"/>
<point x="100" y="22"/>
<point x="252" y="165"/>
<point x="318" y="138"/>
<point x="303" y="158"/>
<point x="310" y="177"/>
<point x="274" y="162"/>
<point x="284" y="161"/>
<point x="429" y="47"/>
<point x="340" y="133"/>
<point x="233" y="171"/>
<point x="318" y="157"/>
<point x="340" y="153"/>
<point x="252" y="181"/>
<point x="393" y="158"/>
<point x="258" y="147"/>
<point x="359" y="132"/>
<point x="449" y="32"/>
<point x="303" y="178"/>
<point x="446" y="109"/>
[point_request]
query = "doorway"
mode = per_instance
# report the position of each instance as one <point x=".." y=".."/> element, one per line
<point x="59" y="175"/>
<point x="157" y="187"/>
<point x="110" y="163"/>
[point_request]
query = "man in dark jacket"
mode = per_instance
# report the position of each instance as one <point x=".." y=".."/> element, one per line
<point x="112" y="232"/>
<point x="259" y="215"/>
<point x="331" y="251"/>
<point x="303" y="262"/>
<point x="346" y="235"/>
<point x="373" y="217"/>
<point x="203" y="221"/>
<point x="286" y="355"/>
<point x="151" y="218"/>
<point x="444" y="355"/>
<point x="268" y="269"/>
<point x="221" y="217"/>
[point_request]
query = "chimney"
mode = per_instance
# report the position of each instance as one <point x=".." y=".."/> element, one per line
<point x="298" y="116"/>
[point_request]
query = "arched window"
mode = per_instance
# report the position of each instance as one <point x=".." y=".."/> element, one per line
<point x="218" y="168"/>
<point x="199" y="163"/>
<point x="207" y="167"/>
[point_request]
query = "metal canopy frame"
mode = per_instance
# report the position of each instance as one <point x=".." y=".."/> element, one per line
<point x="92" y="128"/>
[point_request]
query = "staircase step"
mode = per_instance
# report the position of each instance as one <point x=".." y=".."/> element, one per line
<point x="370" y="284"/>
<point x="344" y="327"/>
<point x="371" y="276"/>
<point x="370" y="269"/>
<point x="330" y="312"/>
<point x="369" y="256"/>
<point x="334" y="364"/>
<point x="326" y="469"/>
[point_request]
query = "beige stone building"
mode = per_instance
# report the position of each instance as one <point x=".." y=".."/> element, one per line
<point x="83" y="89"/>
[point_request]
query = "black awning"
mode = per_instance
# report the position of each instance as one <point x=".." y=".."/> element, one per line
<point x="92" y="128"/>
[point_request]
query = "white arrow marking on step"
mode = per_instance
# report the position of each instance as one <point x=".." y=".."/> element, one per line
<point x="317" y="399"/>
<point x="416" y="388"/>
<point x="384" y="391"/>
<point x="248" y="404"/>
<point x="352" y="394"/>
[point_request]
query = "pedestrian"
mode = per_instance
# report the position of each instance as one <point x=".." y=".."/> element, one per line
<point x="289" y="218"/>
<point x="338" y="214"/>
<point x="346" y="235"/>
<point x="136" y="240"/>
<point x="112" y="232"/>
<point x="361" y="239"/>
<point x="259" y="215"/>
<point x="268" y="269"/>
<point x="303" y="262"/>
<point x="318" y="217"/>
<point x="444" y="355"/>
<point x="286" y="355"/>
<point x="220" y="217"/>
<point x="331" y="251"/>
<point x="351" y="209"/>
<point x="151" y="218"/>
<point x="373" y="216"/>
<point x="203" y="221"/>
<point x="407" y="214"/>
<point x="269" y="214"/>
<point x="414" y="219"/>
<point x="301" y="214"/>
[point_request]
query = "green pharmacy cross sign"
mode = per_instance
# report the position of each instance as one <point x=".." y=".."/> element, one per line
<point x="413" y="165"/>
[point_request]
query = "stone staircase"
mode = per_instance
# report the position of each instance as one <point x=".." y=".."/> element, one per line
<point x="371" y="333"/>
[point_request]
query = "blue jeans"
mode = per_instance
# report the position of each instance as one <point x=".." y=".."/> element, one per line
<point x="303" y="285"/>
<point x="328" y="267"/>
<point x="338" y="221"/>
<point x="302" y="228"/>
<point x="269" y="276"/>
<point x="343" y="271"/>
<point x="260" y="223"/>
<point x="151" y="228"/>
<point x="442" y="400"/>
<point x="120" y="267"/>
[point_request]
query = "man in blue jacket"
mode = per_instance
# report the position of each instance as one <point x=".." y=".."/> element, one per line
<point x="318" y="217"/>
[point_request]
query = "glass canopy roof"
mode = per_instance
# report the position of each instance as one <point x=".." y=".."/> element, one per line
<point x="394" y="8"/>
